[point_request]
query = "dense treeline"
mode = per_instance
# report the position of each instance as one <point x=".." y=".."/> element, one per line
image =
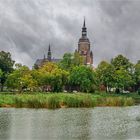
<point x="70" y="74"/>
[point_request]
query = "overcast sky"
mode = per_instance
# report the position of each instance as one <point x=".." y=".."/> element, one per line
<point x="28" y="26"/>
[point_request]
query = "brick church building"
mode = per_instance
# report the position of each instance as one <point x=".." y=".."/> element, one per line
<point x="84" y="47"/>
<point x="83" y="50"/>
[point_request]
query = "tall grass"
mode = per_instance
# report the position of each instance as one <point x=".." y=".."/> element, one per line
<point x="53" y="101"/>
<point x="77" y="101"/>
<point x="116" y="101"/>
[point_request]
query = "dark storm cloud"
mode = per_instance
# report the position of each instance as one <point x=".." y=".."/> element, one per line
<point x="28" y="26"/>
<point x="123" y="18"/>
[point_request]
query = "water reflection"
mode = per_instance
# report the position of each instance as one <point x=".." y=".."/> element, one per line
<point x="21" y="124"/>
<point x="5" y="124"/>
<point x="64" y="124"/>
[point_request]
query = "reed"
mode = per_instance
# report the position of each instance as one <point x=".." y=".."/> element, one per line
<point x="53" y="100"/>
<point x="116" y="101"/>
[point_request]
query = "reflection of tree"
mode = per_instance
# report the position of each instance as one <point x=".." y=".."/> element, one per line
<point x="44" y="124"/>
<point x="62" y="124"/>
<point x="5" y="124"/>
<point x="20" y="129"/>
<point x="78" y="123"/>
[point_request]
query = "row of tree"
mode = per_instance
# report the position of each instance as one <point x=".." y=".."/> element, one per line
<point x="70" y="74"/>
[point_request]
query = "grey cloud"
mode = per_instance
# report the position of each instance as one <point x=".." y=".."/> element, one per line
<point x="28" y="26"/>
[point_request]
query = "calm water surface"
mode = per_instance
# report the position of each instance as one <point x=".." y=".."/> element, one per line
<point x="102" y="123"/>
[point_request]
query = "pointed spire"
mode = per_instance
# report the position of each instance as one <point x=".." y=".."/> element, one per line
<point x="49" y="53"/>
<point x="84" y="25"/>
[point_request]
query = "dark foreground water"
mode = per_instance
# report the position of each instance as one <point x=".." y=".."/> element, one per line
<point x="68" y="124"/>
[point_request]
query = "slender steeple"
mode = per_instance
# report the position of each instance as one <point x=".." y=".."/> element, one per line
<point x="84" y="29"/>
<point x="84" y="46"/>
<point x="84" y="25"/>
<point x="49" y="53"/>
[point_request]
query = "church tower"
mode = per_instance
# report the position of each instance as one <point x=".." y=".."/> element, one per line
<point x="49" y="57"/>
<point x="84" y="46"/>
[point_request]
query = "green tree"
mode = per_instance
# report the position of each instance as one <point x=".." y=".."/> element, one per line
<point x="71" y="60"/>
<point x="122" y="79"/>
<point x="137" y="75"/>
<point x="83" y="78"/>
<point x="18" y="65"/>
<point x="6" y="66"/>
<point x="78" y="60"/>
<point x="1" y="73"/>
<point x="67" y="61"/>
<point x="52" y="75"/>
<point x="124" y="72"/>
<point x="21" y="79"/>
<point x="120" y="62"/>
<point x="105" y="75"/>
<point x="138" y="62"/>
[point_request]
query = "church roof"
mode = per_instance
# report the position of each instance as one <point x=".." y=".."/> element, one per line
<point x="56" y="60"/>
<point x="40" y="61"/>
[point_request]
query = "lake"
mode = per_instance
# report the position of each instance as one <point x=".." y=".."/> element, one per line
<point x="101" y="123"/>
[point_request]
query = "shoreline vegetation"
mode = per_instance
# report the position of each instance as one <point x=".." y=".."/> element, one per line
<point x="67" y="100"/>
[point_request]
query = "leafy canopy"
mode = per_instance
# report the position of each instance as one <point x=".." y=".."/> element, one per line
<point x="21" y="78"/>
<point x="51" y="74"/>
<point x="6" y="66"/>
<point x="84" y="77"/>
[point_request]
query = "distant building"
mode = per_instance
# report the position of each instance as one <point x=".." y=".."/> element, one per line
<point x="40" y="62"/>
<point x="83" y="50"/>
<point x="84" y="47"/>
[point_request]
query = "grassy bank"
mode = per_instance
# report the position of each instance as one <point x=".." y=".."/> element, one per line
<point x="62" y="100"/>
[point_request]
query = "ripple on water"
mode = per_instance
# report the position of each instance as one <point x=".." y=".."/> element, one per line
<point x="98" y="123"/>
<point x="117" y="121"/>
